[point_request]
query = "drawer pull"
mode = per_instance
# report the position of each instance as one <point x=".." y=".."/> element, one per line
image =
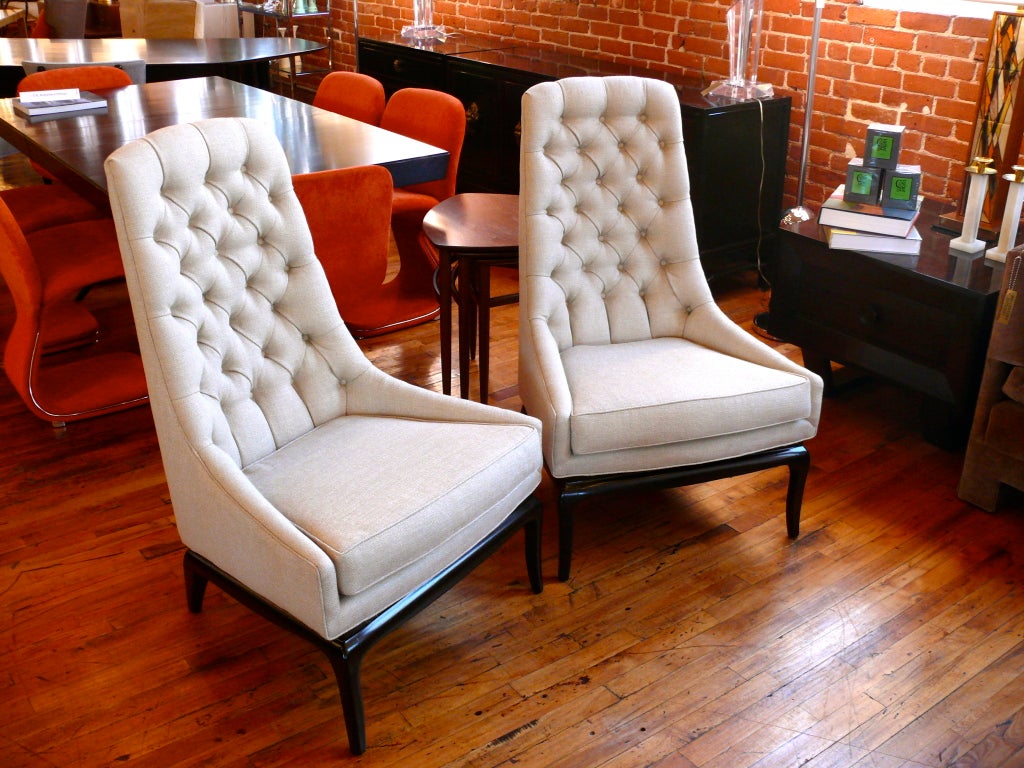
<point x="869" y="316"/>
<point x="472" y="113"/>
<point x="397" y="65"/>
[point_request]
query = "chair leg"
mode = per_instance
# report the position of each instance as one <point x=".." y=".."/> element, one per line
<point x="347" y="672"/>
<point x="565" y="535"/>
<point x="195" y="584"/>
<point x="799" y="466"/>
<point x="532" y="531"/>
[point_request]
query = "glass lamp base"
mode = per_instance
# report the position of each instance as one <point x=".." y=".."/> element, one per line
<point x="425" y="32"/>
<point x="741" y="90"/>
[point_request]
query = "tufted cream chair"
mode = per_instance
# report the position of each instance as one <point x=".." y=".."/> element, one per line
<point x="637" y="375"/>
<point x="314" y="488"/>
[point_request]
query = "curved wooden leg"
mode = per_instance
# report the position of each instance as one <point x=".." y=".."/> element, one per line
<point x="532" y="531"/>
<point x="565" y="532"/>
<point x="346" y="670"/>
<point x="195" y="583"/>
<point x="799" y="466"/>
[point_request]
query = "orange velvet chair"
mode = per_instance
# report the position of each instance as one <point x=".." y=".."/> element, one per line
<point x="356" y="263"/>
<point x="351" y="94"/>
<point x="439" y="119"/>
<point x="39" y="206"/>
<point x="43" y="279"/>
<point x="88" y="77"/>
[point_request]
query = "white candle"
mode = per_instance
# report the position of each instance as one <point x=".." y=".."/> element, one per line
<point x="968" y="241"/>
<point x="1011" y="215"/>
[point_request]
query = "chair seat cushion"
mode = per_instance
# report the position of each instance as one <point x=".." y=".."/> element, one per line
<point x="669" y="390"/>
<point x="378" y="494"/>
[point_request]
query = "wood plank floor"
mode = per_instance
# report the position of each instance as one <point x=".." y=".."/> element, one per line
<point x="692" y="634"/>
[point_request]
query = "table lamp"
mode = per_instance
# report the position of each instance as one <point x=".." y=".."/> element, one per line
<point x="743" y="20"/>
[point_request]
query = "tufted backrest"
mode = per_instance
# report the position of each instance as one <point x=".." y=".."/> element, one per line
<point x="241" y="339"/>
<point x="608" y="249"/>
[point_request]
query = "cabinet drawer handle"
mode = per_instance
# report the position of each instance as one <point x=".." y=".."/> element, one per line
<point x="397" y="65"/>
<point x="472" y="113"/>
<point x="517" y="133"/>
<point x="869" y="315"/>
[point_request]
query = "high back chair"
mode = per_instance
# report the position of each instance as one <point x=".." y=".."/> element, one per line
<point x="351" y="94"/>
<point x="311" y="486"/>
<point x="638" y="376"/>
<point x="44" y="278"/>
<point x="439" y="119"/>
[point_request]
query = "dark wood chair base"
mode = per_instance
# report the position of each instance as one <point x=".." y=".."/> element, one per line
<point x="572" y="489"/>
<point x="346" y="653"/>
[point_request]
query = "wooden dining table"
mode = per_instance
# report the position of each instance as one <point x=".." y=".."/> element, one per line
<point x="246" y="59"/>
<point x="73" y="146"/>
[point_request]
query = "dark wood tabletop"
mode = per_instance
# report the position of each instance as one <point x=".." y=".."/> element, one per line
<point x="166" y="59"/>
<point x="74" y="146"/>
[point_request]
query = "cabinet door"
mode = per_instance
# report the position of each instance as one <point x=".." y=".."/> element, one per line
<point x="737" y="158"/>
<point x="399" y="67"/>
<point x="493" y="100"/>
<point x="482" y="167"/>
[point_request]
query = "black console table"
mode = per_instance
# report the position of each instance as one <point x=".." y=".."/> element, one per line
<point x="920" y="321"/>
<point x="736" y="151"/>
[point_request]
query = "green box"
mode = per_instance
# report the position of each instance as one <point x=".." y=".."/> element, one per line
<point x="882" y="146"/>
<point x="863" y="184"/>
<point x="900" y="187"/>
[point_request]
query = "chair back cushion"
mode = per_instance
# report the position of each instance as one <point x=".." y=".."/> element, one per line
<point x="351" y="94"/>
<point x="435" y="118"/>
<point x="608" y="248"/>
<point x="43" y="75"/>
<point x="243" y="344"/>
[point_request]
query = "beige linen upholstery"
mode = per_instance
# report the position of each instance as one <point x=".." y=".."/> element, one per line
<point x="624" y="355"/>
<point x="324" y="487"/>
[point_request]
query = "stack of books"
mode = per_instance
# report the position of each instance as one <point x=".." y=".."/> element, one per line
<point x="867" y="227"/>
<point x="876" y="208"/>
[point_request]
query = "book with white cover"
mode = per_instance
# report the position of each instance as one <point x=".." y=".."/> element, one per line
<point x="852" y="240"/>
<point x="35" y="103"/>
<point x="836" y="212"/>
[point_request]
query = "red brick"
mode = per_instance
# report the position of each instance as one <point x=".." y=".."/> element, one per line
<point x="883" y="57"/>
<point x="969" y="27"/>
<point x="934" y="66"/>
<point x="932" y="86"/>
<point x="945" y="45"/>
<point x="925" y="22"/>
<point x="659" y="21"/>
<point x="842" y="31"/>
<point x="874" y="76"/>
<point x="873" y="17"/>
<point x="900" y="41"/>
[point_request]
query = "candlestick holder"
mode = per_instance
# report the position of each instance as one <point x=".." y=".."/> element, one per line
<point x="1011" y="215"/>
<point x="968" y="241"/>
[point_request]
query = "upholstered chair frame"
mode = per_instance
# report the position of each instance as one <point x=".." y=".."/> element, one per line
<point x="311" y="486"/>
<point x="640" y="380"/>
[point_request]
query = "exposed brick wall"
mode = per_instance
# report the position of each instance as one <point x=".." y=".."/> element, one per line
<point x="918" y="70"/>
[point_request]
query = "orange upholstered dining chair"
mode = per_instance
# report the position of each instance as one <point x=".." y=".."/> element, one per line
<point x="87" y="77"/>
<point x="356" y="264"/>
<point x="439" y="119"/>
<point x="351" y="94"/>
<point x="43" y="281"/>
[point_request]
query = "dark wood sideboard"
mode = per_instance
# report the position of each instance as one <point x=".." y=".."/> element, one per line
<point x="922" y="322"/>
<point x="736" y="151"/>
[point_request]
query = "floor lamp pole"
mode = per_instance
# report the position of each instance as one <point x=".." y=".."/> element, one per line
<point x="800" y="212"/>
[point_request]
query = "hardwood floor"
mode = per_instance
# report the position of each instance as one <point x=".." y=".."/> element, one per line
<point x="693" y="632"/>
